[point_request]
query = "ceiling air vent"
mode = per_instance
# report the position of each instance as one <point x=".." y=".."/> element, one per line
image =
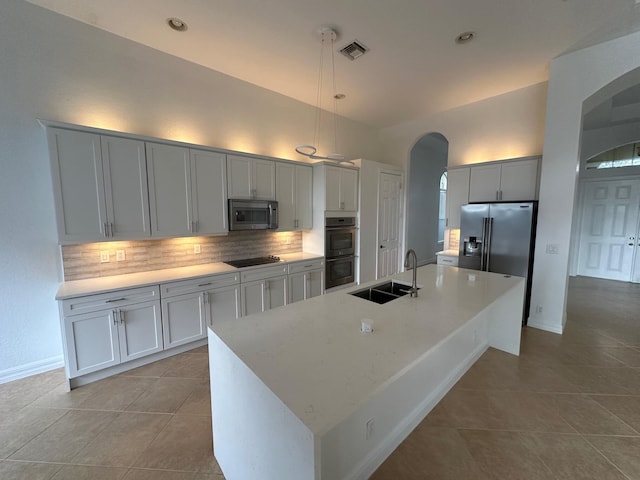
<point x="354" y="50"/>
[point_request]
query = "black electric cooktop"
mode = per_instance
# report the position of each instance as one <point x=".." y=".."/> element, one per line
<point x="250" y="262"/>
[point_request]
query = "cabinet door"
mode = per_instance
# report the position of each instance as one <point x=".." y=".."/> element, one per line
<point x="275" y="292"/>
<point x="263" y="179"/>
<point x="314" y="283"/>
<point x="239" y="171"/>
<point x="140" y="330"/>
<point x="332" y="188"/>
<point x="76" y="165"/>
<point x="304" y="197"/>
<point x="125" y="186"/>
<point x="183" y="319"/>
<point x="223" y="304"/>
<point x="484" y="183"/>
<point x="92" y="341"/>
<point x="286" y="196"/>
<point x="519" y="180"/>
<point x="208" y="192"/>
<point x="297" y="287"/>
<point x="253" y="297"/>
<point x="349" y="190"/>
<point x="457" y="194"/>
<point x="169" y="189"/>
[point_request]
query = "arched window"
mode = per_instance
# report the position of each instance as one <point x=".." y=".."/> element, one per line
<point x="442" y="209"/>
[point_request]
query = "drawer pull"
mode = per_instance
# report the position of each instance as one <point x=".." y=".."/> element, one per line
<point x="204" y="284"/>
<point x="308" y="266"/>
<point x="113" y="300"/>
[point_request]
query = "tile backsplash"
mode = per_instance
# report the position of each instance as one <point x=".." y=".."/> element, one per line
<point x="84" y="260"/>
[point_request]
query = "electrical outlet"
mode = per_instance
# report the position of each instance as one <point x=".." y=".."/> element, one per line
<point x="196" y="248"/>
<point x="369" y="433"/>
<point x="120" y="257"/>
<point x="104" y="256"/>
<point x="553" y="248"/>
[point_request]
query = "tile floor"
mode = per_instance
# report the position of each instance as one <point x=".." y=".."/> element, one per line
<point x="567" y="408"/>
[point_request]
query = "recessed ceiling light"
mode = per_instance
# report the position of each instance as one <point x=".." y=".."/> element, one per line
<point x="465" y="37"/>
<point x="177" y="24"/>
<point x="339" y="96"/>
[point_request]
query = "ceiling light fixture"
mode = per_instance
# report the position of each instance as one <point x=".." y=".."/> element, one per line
<point x="465" y="37"/>
<point x="327" y="36"/>
<point x="177" y="24"/>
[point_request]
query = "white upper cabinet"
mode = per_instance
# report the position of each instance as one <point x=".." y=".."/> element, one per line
<point x="100" y="186"/>
<point x="170" y="198"/>
<point x="504" y="181"/>
<point x="187" y="193"/>
<point x="125" y="181"/>
<point x="209" y="192"/>
<point x="251" y="178"/>
<point x="341" y="188"/>
<point x="457" y="194"/>
<point x="294" y="193"/>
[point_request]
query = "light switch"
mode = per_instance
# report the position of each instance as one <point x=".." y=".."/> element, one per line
<point x="553" y="248"/>
<point x="120" y="257"/>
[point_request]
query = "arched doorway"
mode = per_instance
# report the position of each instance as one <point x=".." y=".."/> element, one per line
<point x="425" y="222"/>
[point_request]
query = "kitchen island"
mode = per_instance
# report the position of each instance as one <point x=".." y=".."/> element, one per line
<point x="300" y="392"/>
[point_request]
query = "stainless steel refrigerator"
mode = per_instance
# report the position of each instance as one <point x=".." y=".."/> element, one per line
<point x="500" y="237"/>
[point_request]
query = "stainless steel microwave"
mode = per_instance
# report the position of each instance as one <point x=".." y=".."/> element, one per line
<point x="253" y="215"/>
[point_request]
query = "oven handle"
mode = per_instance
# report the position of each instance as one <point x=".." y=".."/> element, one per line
<point x="335" y="259"/>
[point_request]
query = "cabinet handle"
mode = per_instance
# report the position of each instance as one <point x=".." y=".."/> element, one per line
<point x="113" y="300"/>
<point x="205" y="298"/>
<point x="121" y="316"/>
<point x="341" y="205"/>
<point x="106" y="229"/>
<point x="115" y="317"/>
<point x="497" y="195"/>
<point x="197" y="225"/>
<point x="204" y="284"/>
<point x="111" y="229"/>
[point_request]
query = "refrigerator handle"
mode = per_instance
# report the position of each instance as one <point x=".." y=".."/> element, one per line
<point x="483" y="247"/>
<point x="488" y="242"/>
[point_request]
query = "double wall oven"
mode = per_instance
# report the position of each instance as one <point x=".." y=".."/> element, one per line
<point x="340" y="250"/>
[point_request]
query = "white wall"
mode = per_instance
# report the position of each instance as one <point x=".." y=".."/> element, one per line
<point x="427" y="164"/>
<point x="505" y="126"/>
<point x="574" y="78"/>
<point x="54" y="68"/>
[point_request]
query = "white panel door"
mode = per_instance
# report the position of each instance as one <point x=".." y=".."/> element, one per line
<point x="314" y="283"/>
<point x="608" y="235"/>
<point x="92" y="341"/>
<point x="169" y="189"/>
<point x="286" y="196"/>
<point x="389" y="208"/>
<point x="140" y="330"/>
<point x="297" y="287"/>
<point x="183" y="319"/>
<point x="125" y="186"/>
<point x="209" y="192"/>
<point x="484" y="183"/>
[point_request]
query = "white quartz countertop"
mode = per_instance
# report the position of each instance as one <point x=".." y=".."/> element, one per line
<point x="313" y="356"/>
<point x="91" y="286"/>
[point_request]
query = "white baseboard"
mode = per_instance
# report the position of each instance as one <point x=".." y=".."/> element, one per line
<point x="548" y="327"/>
<point x="28" y="369"/>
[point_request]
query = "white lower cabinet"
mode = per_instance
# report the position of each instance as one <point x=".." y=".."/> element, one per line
<point x="263" y="288"/>
<point x="189" y="306"/>
<point x="117" y="328"/>
<point x="306" y="280"/>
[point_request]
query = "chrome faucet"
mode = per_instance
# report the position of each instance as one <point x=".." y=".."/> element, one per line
<point x="413" y="291"/>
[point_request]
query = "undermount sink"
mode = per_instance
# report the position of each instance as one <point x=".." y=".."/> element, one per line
<point x="383" y="292"/>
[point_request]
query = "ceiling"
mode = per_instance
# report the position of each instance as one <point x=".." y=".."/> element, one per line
<point x="414" y="66"/>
